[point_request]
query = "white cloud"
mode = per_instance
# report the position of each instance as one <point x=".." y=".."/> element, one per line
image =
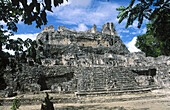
<point x="81" y="27"/>
<point x="134" y="25"/>
<point x="123" y="30"/>
<point x="140" y="31"/>
<point x="131" y="45"/>
<point x="24" y="36"/>
<point x="29" y="1"/>
<point x="134" y="33"/>
<point x="120" y="36"/>
<point x="81" y="3"/>
<point x="65" y="3"/>
<point x="101" y="13"/>
<point x="88" y="12"/>
<point x="19" y="22"/>
<point x="144" y="30"/>
<point x="2" y="23"/>
<point x="9" y="51"/>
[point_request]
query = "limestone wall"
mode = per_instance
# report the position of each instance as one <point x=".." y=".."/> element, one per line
<point x="66" y="37"/>
<point x="86" y="75"/>
<point x="87" y="61"/>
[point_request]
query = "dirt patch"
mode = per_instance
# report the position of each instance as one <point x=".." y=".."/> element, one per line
<point x="157" y="102"/>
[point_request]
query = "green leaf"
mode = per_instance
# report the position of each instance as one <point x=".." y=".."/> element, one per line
<point x="56" y="3"/>
<point x="38" y="7"/>
<point x="121" y="19"/>
<point x="123" y="16"/>
<point x="28" y="40"/>
<point x="48" y="5"/>
<point x="30" y="7"/>
<point x="140" y="20"/>
<point x="43" y="16"/>
<point x="121" y="8"/>
<point x="122" y="13"/>
<point x="131" y="3"/>
<point x="60" y="1"/>
<point x="20" y="40"/>
<point x="15" y="2"/>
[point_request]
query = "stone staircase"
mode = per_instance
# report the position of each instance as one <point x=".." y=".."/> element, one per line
<point x="99" y="81"/>
<point x="114" y="80"/>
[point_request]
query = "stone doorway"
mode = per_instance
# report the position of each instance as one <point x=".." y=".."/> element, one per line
<point x="42" y="82"/>
<point x="2" y="83"/>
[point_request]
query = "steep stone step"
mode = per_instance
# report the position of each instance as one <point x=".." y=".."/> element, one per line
<point x="117" y="91"/>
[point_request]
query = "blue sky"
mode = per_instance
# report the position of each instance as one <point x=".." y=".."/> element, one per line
<point x="80" y="15"/>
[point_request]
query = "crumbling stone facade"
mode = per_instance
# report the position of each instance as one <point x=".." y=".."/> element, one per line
<point x="86" y="62"/>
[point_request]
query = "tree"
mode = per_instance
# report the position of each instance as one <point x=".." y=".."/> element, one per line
<point x="10" y="12"/>
<point x="149" y="44"/>
<point x="157" y="12"/>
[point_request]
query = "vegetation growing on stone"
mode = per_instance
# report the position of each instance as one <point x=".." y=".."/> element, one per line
<point x="16" y="103"/>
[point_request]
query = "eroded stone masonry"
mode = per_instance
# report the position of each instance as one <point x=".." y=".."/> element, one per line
<point x="87" y="62"/>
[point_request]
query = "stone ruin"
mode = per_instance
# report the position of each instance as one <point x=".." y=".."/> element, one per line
<point x="88" y="62"/>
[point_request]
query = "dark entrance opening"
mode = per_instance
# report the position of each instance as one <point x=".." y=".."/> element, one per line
<point x="2" y="83"/>
<point x="42" y="82"/>
<point x="149" y="72"/>
<point x="152" y="72"/>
